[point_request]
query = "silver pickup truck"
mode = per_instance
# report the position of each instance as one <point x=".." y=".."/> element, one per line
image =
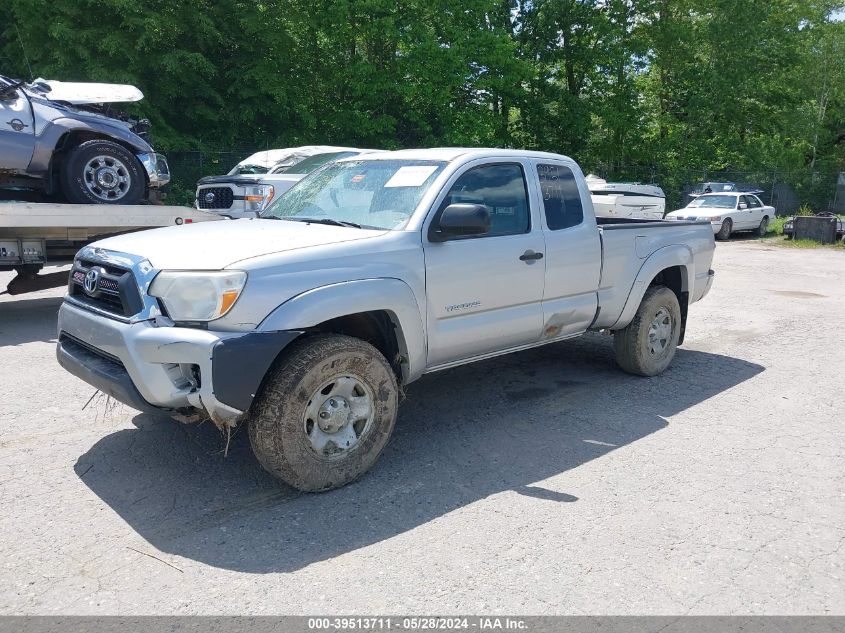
<point x="369" y="273"/>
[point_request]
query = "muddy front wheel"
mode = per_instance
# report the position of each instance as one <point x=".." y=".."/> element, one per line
<point x="326" y="413"/>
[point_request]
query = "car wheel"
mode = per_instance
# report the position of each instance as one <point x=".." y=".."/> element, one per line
<point x="325" y="414"/>
<point x="725" y="232"/>
<point x="647" y="345"/>
<point x="764" y="227"/>
<point x="102" y="172"/>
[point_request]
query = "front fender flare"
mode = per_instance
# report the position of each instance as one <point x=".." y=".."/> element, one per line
<point x="392" y="296"/>
<point x="659" y="260"/>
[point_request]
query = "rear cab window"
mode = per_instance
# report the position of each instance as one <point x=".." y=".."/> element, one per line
<point x="561" y="197"/>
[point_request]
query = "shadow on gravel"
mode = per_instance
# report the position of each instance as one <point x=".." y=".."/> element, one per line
<point x="462" y="435"/>
<point x="28" y="320"/>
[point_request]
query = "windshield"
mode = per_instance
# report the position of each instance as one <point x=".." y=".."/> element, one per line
<point x="720" y="202"/>
<point x="312" y="162"/>
<point x="375" y="194"/>
<point x="248" y="169"/>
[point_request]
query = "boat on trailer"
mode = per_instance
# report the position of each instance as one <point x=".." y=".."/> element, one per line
<point x="626" y="199"/>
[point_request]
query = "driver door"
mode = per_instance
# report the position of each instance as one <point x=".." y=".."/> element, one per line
<point x="485" y="292"/>
<point x="17" y="135"/>
<point x="756" y="209"/>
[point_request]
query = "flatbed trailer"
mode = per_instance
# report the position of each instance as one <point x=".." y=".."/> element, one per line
<point x="26" y="228"/>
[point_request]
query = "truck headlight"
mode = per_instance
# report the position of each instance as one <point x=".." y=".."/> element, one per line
<point x="260" y="196"/>
<point x="197" y="296"/>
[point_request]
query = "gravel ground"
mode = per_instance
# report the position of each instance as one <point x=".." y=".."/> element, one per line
<point x="545" y="482"/>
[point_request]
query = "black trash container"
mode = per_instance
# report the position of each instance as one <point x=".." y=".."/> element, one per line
<point x="815" y="227"/>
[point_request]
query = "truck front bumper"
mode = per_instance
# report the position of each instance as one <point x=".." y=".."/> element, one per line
<point x="168" y="369"/>
<point x="158" y="171"/>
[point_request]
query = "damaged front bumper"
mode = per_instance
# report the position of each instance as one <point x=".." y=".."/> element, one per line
<point x="163" y="369"/>
<point x="158" y="171"/>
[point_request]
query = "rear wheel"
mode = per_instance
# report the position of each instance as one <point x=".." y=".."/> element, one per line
<point x="325" y="414"/>
<point x="647" y="345"/>
<point x="725" y="232"/>
<point x="763" y="228"/>
<point x="102" y="172"/>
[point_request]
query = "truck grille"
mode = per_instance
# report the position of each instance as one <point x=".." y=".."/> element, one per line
<point x="105" y="287"/>
<point x="215" y="198"/>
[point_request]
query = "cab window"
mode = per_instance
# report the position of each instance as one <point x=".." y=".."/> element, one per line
<point x="502" y="189"/>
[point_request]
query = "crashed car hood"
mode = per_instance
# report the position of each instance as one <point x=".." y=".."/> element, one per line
<point x="216" y="245"/>
<point x="89" y="93"/>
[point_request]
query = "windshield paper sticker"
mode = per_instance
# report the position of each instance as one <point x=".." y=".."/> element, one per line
<point x="413" y="176"/>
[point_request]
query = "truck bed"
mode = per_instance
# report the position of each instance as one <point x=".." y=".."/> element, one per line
<point x="627" y="242"/>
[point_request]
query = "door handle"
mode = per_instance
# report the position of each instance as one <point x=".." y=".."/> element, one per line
<point x="530" y="255"/>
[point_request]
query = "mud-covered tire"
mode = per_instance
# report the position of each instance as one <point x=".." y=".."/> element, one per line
<point x="636" y="351"/>
<point x="124" y="180"/>
<point x="725" y="231"/>
<point x="279" y="419"/>
<point x="763" y="228"/>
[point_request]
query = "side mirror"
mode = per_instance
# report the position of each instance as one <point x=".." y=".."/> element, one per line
<point x="742" y="205"/>
<point x="10" y="92"/>
<point x="461" y="220"/>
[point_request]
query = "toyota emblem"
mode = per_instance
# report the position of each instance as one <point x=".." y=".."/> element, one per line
<point x="209" y="197"/>
<point x="92" y="279"/>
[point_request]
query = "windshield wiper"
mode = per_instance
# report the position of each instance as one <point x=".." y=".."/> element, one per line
<point x="329" y="221"/>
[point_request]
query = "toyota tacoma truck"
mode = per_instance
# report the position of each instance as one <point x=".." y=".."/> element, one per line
<point x="305" y="323"/>
<point x="65" y="140"/>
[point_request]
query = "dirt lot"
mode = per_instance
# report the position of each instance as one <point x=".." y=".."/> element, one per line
<point x="542" y="482"/>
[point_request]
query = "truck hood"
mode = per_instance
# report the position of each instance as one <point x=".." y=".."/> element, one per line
<point x="86" y="93"/>
<point x="251" y="179"/>
<point x="231" y="180"/>
<point x="216" y="245"/>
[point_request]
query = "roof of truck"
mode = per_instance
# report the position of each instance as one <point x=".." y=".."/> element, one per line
<point x="452" y="153"/>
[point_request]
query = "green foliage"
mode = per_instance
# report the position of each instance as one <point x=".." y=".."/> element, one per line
<point x="776" y="225"/>
<point x="628" y="87"/>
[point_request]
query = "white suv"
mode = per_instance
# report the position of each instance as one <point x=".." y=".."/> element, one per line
<point x="239" y="194"/>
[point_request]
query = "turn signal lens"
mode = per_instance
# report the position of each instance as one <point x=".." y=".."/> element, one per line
<point x="228" y="300"/>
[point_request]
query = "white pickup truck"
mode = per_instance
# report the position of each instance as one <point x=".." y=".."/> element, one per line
<point x="369" y="273"/>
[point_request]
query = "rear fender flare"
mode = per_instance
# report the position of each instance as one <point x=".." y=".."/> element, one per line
<point x="660" y="260"/>
<point x="392" y="296"/>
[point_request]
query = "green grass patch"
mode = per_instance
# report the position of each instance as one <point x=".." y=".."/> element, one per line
<point x="776" y="225"/>
<point x="780" y="240"/>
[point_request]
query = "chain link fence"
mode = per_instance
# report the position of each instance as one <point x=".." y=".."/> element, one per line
<point x="821" y="189"/>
